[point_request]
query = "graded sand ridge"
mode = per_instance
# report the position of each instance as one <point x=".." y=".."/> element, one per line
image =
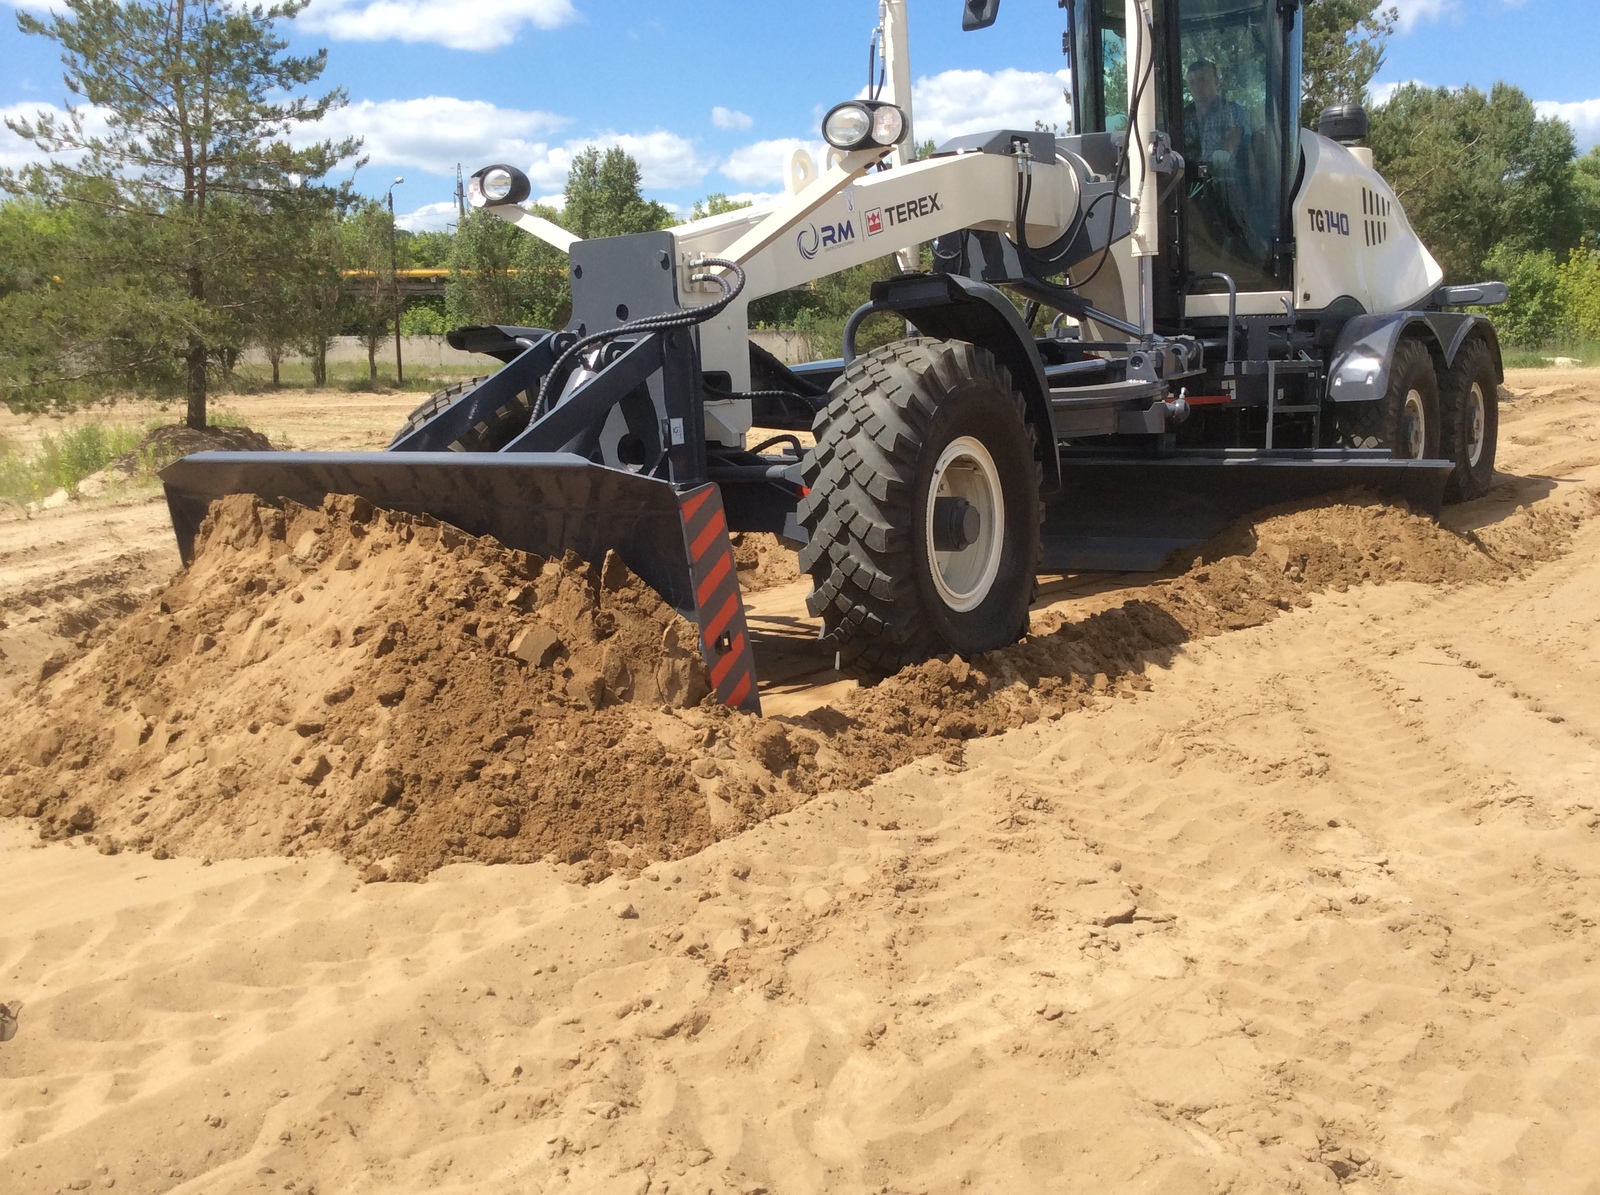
<point x="1275" y="874"/>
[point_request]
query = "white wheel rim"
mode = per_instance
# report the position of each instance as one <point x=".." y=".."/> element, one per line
<point x="1413" y="427"/>
<point x="966" y="470"/>
<point x="1476" y="418"/>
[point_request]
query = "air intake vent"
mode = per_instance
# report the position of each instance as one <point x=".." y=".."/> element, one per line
<point x="1375" y="211"/>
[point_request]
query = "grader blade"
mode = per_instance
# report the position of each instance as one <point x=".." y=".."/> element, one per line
<point x="543" y="503"/>
<point x="1122" y="515"/>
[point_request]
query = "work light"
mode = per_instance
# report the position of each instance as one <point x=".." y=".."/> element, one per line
<point x="495" y="185"/>
<point x="861" y="124"/>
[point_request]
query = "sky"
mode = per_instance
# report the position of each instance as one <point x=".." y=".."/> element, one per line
<point x="714" y="95"/>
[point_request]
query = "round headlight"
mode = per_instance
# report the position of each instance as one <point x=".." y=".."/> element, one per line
<point x="847" y="126"/>
<point x="496" y="185"/>
<point x="888" y="125"/>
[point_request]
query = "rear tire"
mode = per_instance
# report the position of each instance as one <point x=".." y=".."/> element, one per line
<point x="488" y="435"/>
<point x="1470" y="418"/>
<point x="923" y="507"/>
<point x="1406" y="419"/>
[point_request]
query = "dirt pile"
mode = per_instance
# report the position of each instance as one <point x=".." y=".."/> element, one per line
<point x="392" y="689"/>
<point x="163" y="445"/>
<point x="763" y="561"/>
<point x="407" y="695"/>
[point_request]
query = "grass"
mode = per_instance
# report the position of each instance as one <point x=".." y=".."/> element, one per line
<point x="62" y="462"/>
<point x="1543" y="358"/>
<point x="351" y="377"/>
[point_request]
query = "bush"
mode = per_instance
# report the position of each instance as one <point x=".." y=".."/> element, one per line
<point x="1533" y="313"/>
<point x="424" y="319"/>
<point x="62" y="462"/>
<point x="1578" y="292"/>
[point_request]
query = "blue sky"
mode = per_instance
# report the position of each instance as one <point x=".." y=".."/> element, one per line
<point x="712" y="95"/>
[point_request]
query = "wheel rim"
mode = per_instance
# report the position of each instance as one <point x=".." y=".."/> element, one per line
<point x="964" y="576"/>
<point x="1476" y="419"/>
<point x="1413" y="427"/>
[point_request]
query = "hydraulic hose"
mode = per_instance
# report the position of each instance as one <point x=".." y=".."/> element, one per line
<point x="652" y="323"/>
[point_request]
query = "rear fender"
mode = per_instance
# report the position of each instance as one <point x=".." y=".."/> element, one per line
<point x="1364" y="352"/>
<point x="950" y="307"/>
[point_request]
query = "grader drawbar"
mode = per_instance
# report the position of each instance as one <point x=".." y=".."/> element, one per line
<point x="1243" y="318"/>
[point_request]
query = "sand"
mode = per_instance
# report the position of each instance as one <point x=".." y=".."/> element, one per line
<point x="1287" y="882"/>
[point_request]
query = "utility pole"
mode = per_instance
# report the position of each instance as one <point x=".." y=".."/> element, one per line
<point x="394" y="281"/>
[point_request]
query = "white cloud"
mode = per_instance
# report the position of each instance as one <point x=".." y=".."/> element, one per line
<point x="458" y="24"/>
<point x="430" y="217"/>
<point x="1381" y="93"/>
<point x="1412" y="11"/>
<point x="956" y="102"/>
<point x="768" y="161"/>
<point x="15" y="153"/>
<point x="754" y="198"/>
<point x="666" y="160"/>
<point x="728" y="118"/>
<point x="1582" y="115"/>
<point x="437" y="132"/>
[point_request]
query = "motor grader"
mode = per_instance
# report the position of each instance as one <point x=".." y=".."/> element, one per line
<point x="1117" y="340"/>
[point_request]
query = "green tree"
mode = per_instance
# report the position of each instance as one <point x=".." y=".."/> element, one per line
<point x="1476" y="172"/>
<point x="201" y="98"/>
<point x="1532" y="314"/>
<point x="369" y="282"/>
<point x="1586" y="179"/>
<point x="500" y="275"/>
<point x="423" y="250"/>
<point x="483" y="286"/>
<point x="716" y="204"/>
<point x="603" y="198"/>
<point x="74" y="315"/>
<point x="1344" y="43"/>
<point x="1578" y="289"/>
<point x="294" y="298"/>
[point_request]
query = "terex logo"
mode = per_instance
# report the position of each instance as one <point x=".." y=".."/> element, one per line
<point x="1328" y="221"/>
<point x="810" y="242"/>
<point x="901" y="213"/>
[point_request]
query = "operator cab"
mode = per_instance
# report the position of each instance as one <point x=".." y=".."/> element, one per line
<point x="1227" y="90"/>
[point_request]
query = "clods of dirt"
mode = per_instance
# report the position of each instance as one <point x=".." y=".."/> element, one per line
<point x="764" y="561"/>
<point x="407" y="695"/>
<point x="392" y="689"/>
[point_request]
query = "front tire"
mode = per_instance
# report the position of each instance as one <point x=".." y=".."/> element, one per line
<point x="1406" y="419"/>
<point x="923" y="507"/>
<point x="1470" y="409"/>
<point x="488" y="435"/>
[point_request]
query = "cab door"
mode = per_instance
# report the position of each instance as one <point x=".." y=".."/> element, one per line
<point x="1234" y="113"/>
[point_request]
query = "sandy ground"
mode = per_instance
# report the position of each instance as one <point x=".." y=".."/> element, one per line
<point x="1316" y="911"/>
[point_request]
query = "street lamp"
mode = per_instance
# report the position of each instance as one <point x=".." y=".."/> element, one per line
<point x="394" y="280"/>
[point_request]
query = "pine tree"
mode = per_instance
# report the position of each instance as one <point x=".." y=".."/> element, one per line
<point x="197" y="98"/>
<point x="1344" y="42"/>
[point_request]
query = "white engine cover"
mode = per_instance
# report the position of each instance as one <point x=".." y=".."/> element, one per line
<point x="1352" y="238"/>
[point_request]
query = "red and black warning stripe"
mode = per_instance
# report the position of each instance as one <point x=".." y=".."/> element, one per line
<point x="719" y="606"/>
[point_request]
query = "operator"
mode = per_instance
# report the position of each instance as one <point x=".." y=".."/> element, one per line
<point x="1213" y="126"/>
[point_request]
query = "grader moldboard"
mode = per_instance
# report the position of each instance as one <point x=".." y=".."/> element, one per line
<point x="1245" y="318"/>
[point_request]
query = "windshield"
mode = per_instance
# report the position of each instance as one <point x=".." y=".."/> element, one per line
<point x="1235" y="125"/>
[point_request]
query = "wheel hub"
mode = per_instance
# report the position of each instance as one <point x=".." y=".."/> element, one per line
<point x="965" y="524"/>
<point x="956" y="524"/>
<point x="1475" y="423"/>
<point x="1413" y="428"/>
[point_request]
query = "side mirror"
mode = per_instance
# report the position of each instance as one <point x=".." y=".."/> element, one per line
<point x="1345" y="123"/>
<point x="979" y="14"/>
